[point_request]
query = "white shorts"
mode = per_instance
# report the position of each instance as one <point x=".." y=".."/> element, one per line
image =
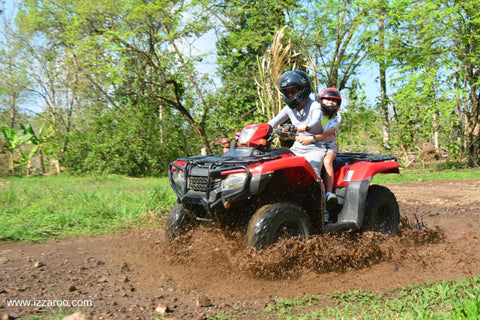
<point x="314" y="156"/>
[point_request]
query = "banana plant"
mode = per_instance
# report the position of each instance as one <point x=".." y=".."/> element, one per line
<point x="27" y="158"/>
<point x="39" y="141"/>
<point x="13" y="141"/>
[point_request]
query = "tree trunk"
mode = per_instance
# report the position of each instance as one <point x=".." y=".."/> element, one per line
<point x="458" y="113"/>
<point x="383" y="80"/>
<point x="435" y="133"/>
<point x="42" y="164"/>
<point x="10" y="82"/>
<point x="11" y="164"/>
<point x="472" y="120"/>
<point x="13" y="111"/>
<point x="29" y="166"/>
<point x="472" y="137"/>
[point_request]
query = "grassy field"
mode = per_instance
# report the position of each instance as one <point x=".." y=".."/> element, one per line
<point x="39" y="209"/>
<point x="406" y="176"/>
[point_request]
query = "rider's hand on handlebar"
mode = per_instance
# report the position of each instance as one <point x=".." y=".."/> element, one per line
<point x="303" y="128"/>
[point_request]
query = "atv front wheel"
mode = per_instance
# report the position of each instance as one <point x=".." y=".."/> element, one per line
<point x="179" y="221"/>
<point x="381" y="211"/>
<point x="277" y="221"/>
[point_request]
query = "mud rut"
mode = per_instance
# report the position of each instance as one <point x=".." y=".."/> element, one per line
<point x="135" y="276"/>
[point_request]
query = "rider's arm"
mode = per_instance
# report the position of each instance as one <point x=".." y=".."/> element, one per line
<point x="280" y="118"/>
<point x="316" y="121"/>
<point x="332" y="128"/>
<point x="321" y="136"/>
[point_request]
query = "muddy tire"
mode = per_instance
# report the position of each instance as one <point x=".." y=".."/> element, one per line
<point x="381" y="211"/>
<point x="277" y="221"/>
<point x="179" y="221"/>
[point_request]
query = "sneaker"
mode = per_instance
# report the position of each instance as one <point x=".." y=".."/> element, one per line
<point x="332" y="201"/>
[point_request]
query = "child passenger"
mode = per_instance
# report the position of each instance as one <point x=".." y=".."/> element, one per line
<point x="330" y="101"/>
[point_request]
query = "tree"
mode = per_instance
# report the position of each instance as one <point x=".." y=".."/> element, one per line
<point x="13" y="141"/>
<point x="274" y="62"/>
<point x="382" y="66"/>
<point x="465" y="23"/>
<point x="132" y="54"/>
<point x="245" y="30"/>
<point x="39" y="140"/>
<point x="443" y="38"/>
<point x="13" y="80"/>
<point x="336" y="34"/>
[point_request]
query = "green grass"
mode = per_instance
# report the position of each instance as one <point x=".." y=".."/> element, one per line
<point x="407" y="176"/>
<point x="441" y="300"/>
<point x="40" y="208"/>
<point x="444" y="300"/>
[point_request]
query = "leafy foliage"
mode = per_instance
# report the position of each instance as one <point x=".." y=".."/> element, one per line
<point x="118" y="86"/>
<point x="249" y="28"/>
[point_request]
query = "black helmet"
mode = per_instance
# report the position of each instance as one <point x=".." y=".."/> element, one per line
<point x="291" y="79"/>
<point x="329" y="93"/>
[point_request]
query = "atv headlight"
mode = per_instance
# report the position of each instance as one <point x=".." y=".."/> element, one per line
<point x="246" y="135"/>
<point x="178" y="177"/>
<point x="234" y="181"/>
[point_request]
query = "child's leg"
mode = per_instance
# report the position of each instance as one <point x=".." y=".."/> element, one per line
<point x="328" y="163"/>
<point x="330" y="197"/>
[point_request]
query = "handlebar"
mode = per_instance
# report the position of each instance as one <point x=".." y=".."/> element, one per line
<point x="285" y="132"/>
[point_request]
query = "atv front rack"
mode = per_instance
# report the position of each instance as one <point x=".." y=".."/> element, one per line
<point x="203" y="183"/>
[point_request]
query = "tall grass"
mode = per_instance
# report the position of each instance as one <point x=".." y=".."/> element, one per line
<point x="37" y="208"/>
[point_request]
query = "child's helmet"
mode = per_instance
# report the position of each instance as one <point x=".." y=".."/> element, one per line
<point x="225" y="143"/>
<point x="330" y="93"/>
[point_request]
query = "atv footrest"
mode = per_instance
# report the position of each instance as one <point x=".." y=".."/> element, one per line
<point x="340" y="227"/>
<point x="203" y="219"/>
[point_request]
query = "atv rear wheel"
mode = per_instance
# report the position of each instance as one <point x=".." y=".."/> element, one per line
<point x="179" y="221"/>
<point x="277" y="221"/>
<point x="381" y="211"/>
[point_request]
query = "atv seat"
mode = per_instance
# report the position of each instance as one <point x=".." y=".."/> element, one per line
<point x="337" y="164"/>
<point x="345" y="158"/>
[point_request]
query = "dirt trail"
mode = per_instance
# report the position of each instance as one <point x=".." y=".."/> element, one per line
<point x="135" y="276"/>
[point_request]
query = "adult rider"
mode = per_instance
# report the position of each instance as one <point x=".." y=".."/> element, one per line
<point x="304" y="113"/>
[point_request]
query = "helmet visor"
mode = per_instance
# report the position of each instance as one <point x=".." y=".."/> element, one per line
<point x="291" y="92"/>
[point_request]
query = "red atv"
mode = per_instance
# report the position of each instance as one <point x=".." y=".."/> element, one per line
<point x="275" y="194"/>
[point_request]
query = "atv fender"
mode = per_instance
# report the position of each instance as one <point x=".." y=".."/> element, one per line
<point x="297" y="170"/>
<point x="352" y="214"/>
<point x="362" y="170"/>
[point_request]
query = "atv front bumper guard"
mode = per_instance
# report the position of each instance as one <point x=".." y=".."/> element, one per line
<point x="204" y="184"/>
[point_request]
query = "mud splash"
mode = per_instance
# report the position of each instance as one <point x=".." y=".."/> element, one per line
<point x="289" y="259"/>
